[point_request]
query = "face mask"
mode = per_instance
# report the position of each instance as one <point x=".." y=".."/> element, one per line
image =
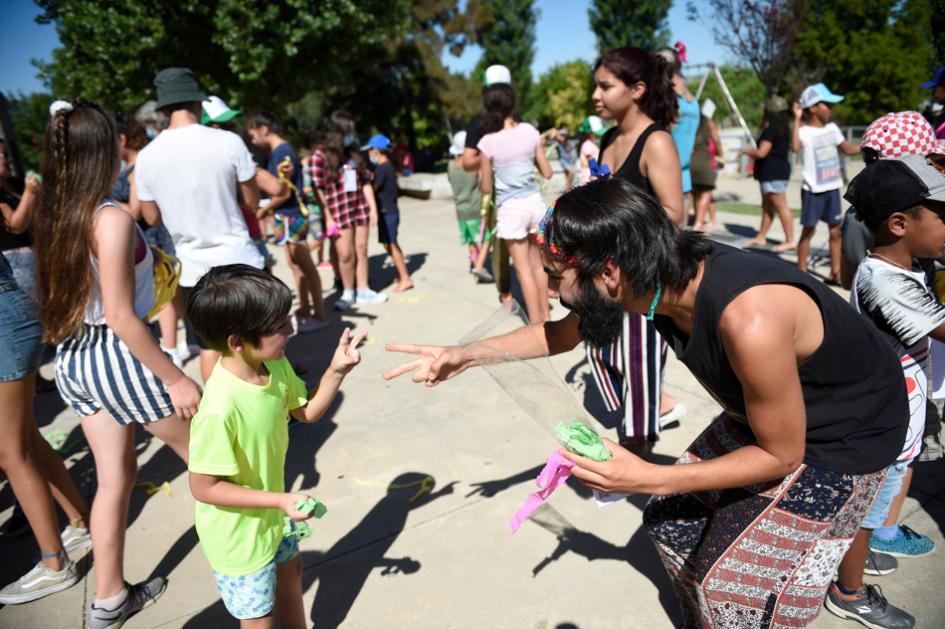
<point x="373" y="159"/>
<point x="151" y="133"/>
<point x="350" y="140"/>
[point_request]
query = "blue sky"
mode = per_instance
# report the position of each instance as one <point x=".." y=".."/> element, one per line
<point x="562" y="34"/>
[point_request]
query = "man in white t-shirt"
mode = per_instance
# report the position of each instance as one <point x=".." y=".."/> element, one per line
<point x="817" y="140"/>
<point x="192" y="174"/>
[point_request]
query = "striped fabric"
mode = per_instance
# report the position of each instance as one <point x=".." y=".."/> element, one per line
<point x="759" y="556"/>
<point x="95" y="370"/>
<point x="628" y="373"/>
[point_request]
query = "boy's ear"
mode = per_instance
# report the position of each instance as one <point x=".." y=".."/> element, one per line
<point x="896" y="224"/>
<point x="235" y="343"/>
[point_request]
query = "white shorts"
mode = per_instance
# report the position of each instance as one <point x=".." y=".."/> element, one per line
<point x="518" y="217"/>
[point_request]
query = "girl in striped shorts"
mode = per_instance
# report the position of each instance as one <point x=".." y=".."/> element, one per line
<point x="96" y="287"/>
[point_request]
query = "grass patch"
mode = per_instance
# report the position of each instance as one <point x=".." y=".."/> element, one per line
<point x="745" y="208"/>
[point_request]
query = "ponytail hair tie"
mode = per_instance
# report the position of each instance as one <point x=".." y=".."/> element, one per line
<point x="60" y="105"/>
<point x="681" y="51"/>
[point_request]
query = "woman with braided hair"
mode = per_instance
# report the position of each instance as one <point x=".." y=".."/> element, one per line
<point x="95" y="289"/>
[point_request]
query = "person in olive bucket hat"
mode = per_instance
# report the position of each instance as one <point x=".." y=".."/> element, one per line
<point x="191" y="174"/>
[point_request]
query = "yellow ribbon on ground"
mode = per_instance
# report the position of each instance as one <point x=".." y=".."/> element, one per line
<point x="152" y="489"/>
<point x="426" y="486"/>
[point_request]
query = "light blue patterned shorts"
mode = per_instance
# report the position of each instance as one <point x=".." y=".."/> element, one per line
<point x="254" y="595"/>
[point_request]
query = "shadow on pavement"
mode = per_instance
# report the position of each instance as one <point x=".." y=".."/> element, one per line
<point x="639" y="552"/>
<point x="342" y="571"/>
<point x="382" y="276"/>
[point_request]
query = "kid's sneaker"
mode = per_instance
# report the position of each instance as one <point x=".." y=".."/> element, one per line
<point x="75" y="539"/>
<point x="869" y="607"/>
<point x="906" y="543"/>
<point x="139" y="596"/>
<point x="39" y="582"/>
<point x="368" y="296"/>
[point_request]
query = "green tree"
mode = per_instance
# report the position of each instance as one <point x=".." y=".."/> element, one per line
<point x="760" y="33"/>
<point x="937" y="31"/>
<point x="640" y="23"/>
<point x="746" y="89"/>
<point x="562" y="96"/>
<point x="254" y="52"/>
<point x="510" y="41"/>
<point x="874" y="52"/>
<point x="29" y="114"/>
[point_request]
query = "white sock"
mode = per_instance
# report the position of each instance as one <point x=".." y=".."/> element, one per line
<point x="112" y="602"/>
<point x="347" y="294"/>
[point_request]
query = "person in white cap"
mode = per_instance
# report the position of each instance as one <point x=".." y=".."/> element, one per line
<point x="817" y="139"/>
<point x="494" y="75"/>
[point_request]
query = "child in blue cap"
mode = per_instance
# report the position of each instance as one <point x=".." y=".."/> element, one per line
<point x="385" y="186"/>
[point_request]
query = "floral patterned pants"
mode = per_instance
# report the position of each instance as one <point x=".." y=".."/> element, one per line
<point x="757" y="556"/>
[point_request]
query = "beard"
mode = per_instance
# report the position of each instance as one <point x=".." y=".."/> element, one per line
<point x="601" y="317"/>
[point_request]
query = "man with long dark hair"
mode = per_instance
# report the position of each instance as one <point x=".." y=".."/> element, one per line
<point x="753" y="519"/>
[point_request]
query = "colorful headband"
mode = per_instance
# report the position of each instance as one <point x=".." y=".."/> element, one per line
<point x="549" y="243"/>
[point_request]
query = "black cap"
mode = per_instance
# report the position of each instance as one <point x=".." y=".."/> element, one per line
<point x="893" y="185"/>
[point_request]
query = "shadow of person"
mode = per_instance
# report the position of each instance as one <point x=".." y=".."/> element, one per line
<point x="639" y="552"/>
<point x="305" y="440"/>
<point x="384" y="275"/>
<point x="343" y="570"/>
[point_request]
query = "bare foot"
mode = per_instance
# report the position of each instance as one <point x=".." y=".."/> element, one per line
<point x="696" y="227"/>
<point x="709" y="226"/>
<point x="402" y="286"/>
<point x="755" y="242"/>
<point x="785" y="246"/>
<point x="667" y="402"/>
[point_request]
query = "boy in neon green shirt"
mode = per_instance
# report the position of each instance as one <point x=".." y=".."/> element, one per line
<point x="239" y="437"/>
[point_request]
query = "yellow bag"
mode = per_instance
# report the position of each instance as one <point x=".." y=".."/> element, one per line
<point x="166" y="276"/>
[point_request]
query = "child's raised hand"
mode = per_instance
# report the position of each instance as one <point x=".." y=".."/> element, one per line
<point x="347" y="354"/>
<point x="798" y="110"/>
<point x="287" y="503"/>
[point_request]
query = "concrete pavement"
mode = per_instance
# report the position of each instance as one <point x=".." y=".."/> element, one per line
<point x="384" y="556"/>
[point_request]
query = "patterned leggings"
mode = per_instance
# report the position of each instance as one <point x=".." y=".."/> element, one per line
<point x="758" y="556"/>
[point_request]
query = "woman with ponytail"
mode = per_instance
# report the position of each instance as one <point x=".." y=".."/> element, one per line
<point x="686" y="125"/>
<point x="95" y="289"/>
<point x="634" y="88"/>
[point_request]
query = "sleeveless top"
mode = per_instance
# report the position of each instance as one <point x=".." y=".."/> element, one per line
<point x="144" y="281"/>
<point x="630" y="169"/>
<point x="854" y="393"/>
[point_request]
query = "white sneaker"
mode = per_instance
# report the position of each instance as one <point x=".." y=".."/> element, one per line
<point x="368" y="296"/>
<point x="39" y="582"/>
<point x="75" y="539"/>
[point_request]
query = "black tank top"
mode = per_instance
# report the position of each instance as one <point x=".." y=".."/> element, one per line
<point x="854" y="391"/>
<point x="630" y="169"/>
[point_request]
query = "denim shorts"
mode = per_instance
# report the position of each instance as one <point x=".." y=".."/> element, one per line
<point x="254" y="595"/>
<point x="774" y="187"/>
<point x="20" y="331"/>
<point x="820" y="206"/>
<point x="387" y="224"/>
<point x="876" y="516"/>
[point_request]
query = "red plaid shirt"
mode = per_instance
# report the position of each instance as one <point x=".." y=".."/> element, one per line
<point x="347" y="208"/>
